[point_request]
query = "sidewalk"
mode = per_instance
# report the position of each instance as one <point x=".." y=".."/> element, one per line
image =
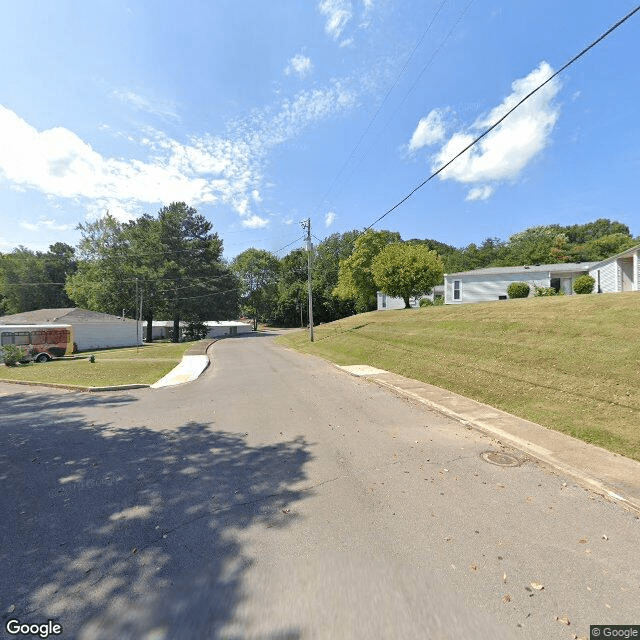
<point x="606" y="473"/>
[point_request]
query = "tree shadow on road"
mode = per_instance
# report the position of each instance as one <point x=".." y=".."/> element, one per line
<point x="132" y="533"/>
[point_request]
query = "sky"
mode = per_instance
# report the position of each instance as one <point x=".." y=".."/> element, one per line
<point x="262" y="114"/>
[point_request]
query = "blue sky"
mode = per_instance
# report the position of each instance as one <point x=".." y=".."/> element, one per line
<point x="260" y="114"/>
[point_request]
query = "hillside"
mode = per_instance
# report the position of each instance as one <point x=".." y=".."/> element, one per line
<point x="568" y="363"/>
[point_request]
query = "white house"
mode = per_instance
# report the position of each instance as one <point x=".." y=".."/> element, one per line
<point x="618" y="273"/>
<point x="91" y="329"/>
<point x="386" y="302"/>
<point x="491" y="283"/>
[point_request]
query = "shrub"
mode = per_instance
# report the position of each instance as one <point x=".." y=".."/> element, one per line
<point x="518" y="290"/>
<point x="196" y="331"/>
<point x="438" y="300"/>
<point x="13" y="354"/>
<point x="547" y="291"/>
<point x="425" y="302"/>
<point x="584" y="284"/>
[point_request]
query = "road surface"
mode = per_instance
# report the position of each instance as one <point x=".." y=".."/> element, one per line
<point x="279" y="498"/>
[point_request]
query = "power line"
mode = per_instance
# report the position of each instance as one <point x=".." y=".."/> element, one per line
<point x="384" y="100"/>
<point x="507" y="114"/>
<point x="412" y="87"/>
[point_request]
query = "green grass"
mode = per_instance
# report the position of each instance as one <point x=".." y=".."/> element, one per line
<point x="144" y="365"/>
<point x="569" y="363"/>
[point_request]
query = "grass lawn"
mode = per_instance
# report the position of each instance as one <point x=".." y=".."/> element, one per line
<point x="145" y="365"/>
<point x="570" y="363"/>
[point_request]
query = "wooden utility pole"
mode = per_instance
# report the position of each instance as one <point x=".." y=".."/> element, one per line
<point x="306" y="224"/>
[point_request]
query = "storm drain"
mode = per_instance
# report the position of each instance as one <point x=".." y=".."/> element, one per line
<point x="500" y="458"/>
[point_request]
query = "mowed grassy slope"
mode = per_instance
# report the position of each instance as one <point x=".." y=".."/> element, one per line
<point x="144" y="365"/>
<point x="570" y="363"/>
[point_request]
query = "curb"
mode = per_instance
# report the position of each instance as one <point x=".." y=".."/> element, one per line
<point x="527" y="446"/>
<point x="75" y="387"/>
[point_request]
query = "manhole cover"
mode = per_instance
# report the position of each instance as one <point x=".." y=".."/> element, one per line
<point x="500" y="458"/>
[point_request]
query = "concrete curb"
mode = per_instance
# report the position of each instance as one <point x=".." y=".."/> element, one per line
<point x="190" y="368"/>
<point x="75" y="387"/>
<point x="608" y="474"/>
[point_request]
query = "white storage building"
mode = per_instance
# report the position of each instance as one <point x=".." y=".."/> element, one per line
<point x="91" y="329"/>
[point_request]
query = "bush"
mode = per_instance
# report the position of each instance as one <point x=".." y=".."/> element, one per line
<point x="438" y="300"/>
<point x="425" y="302"/>
<point x="547" y="291"/>
<point x="518" y="290"/>
<point x="584" y="284"/>
<point x="196" y="331"/>
<point x="13" y="354"/>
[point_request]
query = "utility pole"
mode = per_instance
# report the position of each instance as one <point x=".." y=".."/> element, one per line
<point x="306" y="224"/>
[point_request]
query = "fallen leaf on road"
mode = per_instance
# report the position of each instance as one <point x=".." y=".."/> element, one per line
<point x="286" y="510"/>
<point x="563" y="620"/>
<point x="537" y="586"/>
<point x="582" y="541"/>
<point x="506" y="598"/>
<point x="504" y="578"/>
<point x="605" y="537"/>
<point x="473" y="566"/>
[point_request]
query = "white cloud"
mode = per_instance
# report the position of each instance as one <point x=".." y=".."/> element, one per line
<point x="202" y="170"/>
<point x="45" y="223"/>
<point x="163" y="109"/>
<point x="300" y="64"/>
<point x="430" y="130"/>
<point x="254" y="222"/>
<point x="329" y="218"/>
<point x="507" y="150"/>
<point x="479" y="193"/>
<point x="338" y="14"/>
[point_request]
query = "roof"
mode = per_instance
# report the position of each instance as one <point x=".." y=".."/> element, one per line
<point x="561" y="267"/>
<point x="68" y="315"/>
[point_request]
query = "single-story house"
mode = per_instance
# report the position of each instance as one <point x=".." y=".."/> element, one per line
<point x="491" y="283"/>
<point x="618" y="273"/>
<point x="90" y="329"/>
<point x="386" y="302"/>
<point x="162" y="329"/>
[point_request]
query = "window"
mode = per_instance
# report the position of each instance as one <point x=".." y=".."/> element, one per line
<point x="38" y="337"/>
<point x="384" y="300"/>
<point x="7" y="338"/>
<point x="21" y="337"/>
<point x="555" y="284"/>
<point x="456" y="289"/>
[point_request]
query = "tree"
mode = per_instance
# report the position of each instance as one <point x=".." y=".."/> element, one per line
<point x="325" y="273"/>
<point x="34" y="280"/>
<point x="258" y="272"/>
<point x="407" y="271"/>
<point x="355" y="279"/>
<point x="172" y="262"/>
<point x="197" y="284"/>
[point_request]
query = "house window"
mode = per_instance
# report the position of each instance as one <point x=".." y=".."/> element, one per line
<point x="456" y="289"/>
<point x="555" y="284"/>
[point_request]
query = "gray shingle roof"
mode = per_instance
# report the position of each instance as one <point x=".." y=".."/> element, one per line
<point x="67" y="315"/>
<point x="562" y="267"/>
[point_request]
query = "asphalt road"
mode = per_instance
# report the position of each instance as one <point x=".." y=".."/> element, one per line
<point x="278" y="498"/>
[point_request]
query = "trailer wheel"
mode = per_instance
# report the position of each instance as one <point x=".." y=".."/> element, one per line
<point x="43" y="357"/>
